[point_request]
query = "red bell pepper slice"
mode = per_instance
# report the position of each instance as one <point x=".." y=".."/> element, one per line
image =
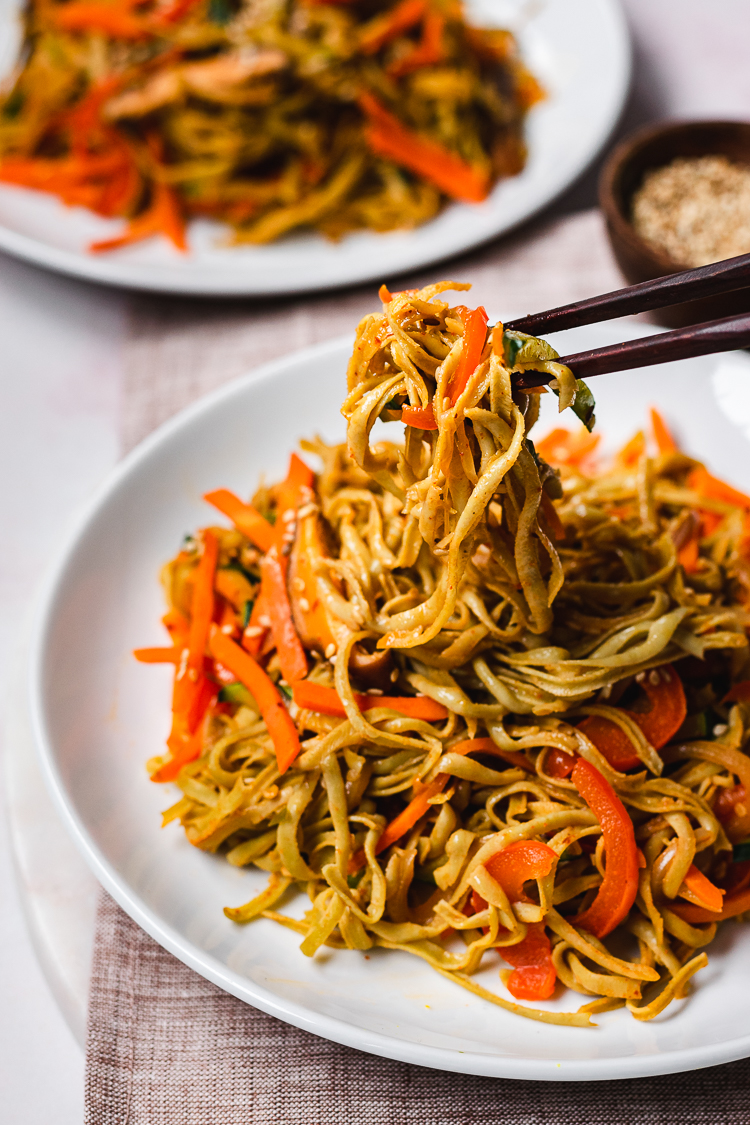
<point x="619" y="887"/>
<point x="659" y="724"/>
<point x="533" y="976"/>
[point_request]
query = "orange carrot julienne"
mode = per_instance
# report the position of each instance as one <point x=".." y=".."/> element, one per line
<point x="711" y="487"/>
<point x="245" y="517"/>
<point x="701" y="891"/>
<point x="288" y="645"/>
<point x="428" y="52"/>
<point x="156" y="655"/>
<point x="421" y="418"/>
<point x="190" y="676"/>
<point x="326" y="701"/>
<point x="662" y="436"/>
<point x="162" y="216"/>
<point x="387" y="136"/>
<point x="420" y="804"/>
<point x="475" y="335"/>
<point x="487" y="746"/>
<point x="405" y="820"/>
<point x="275" y="715"/>
<point x="386" y="27"/>
<point x="79" y="15"/>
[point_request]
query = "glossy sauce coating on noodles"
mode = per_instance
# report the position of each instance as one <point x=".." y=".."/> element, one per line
<point x="521" y="709"/>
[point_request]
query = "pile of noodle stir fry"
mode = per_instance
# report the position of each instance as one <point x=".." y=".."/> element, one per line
<point x="268" y="115"/>
<point x="482" y="702"/>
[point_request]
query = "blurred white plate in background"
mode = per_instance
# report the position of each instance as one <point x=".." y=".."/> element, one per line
<point x="579" y="49"/>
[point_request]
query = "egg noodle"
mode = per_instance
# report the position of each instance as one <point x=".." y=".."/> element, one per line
<point x="270" y="115"/>
<point x="479" y="709"/>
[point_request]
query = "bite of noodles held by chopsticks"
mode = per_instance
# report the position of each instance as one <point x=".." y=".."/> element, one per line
<point x="483" y="702"/>
<point x="269" y="115"/>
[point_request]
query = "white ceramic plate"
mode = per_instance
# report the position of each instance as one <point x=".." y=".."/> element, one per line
<point x="578" y="48"/>
<point x="99" y="715"/>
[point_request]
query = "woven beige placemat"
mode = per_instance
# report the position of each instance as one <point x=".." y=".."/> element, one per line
<point x="165" y="1047"/>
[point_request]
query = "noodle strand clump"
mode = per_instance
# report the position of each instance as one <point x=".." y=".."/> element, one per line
<point x="484" y="702"/>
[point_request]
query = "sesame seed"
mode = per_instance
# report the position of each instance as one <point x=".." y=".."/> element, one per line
<point x="394" y="675"/>
<point x="640" y="677"/>
<point x="654" y="677"/>
<point x="265" y="621"/>
<point x="330" y="651"/>
<point x="304" y="605"/>
<point x="253" y="631"/>
<point x="719" y="729"/>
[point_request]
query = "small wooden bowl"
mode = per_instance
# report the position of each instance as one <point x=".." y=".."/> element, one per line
<point x="623" y="174"/>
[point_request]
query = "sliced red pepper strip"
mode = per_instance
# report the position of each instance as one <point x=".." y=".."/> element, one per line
<point x="739" y="693"/>
<point x="619" y="887"/>
<point x="659" y="724"/>
<point x="697" y="888"/>
<point x="245" y="517"/>
<point x="534" y="974"/>
<point x="326" y="701"/>
<point x="387" y="136"/>
<point x="288" y="645"/>
<point x="475" y="336"/>
<point x="275" y="715"/>
<point x="558" y="763"/>
<point x="517" y="864"/>
<point x="418" y="417"/>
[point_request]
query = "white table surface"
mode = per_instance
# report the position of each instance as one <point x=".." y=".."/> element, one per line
<point x="63" y="346"/>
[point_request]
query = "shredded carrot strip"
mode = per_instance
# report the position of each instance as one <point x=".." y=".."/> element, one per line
<point x="275" y="715"/>
<point x="156" y="655"/>
<point x="245" y="517"/>
<point x="701" y="891"/>
<point x="428" y="52"/>
<point x="383" y="29"/>
<point x="633" y="450"/>
<point x="326" y="701"/>
<point x="662" y="436"/>
<point x="163" y="216"/>
<point x="421" y="418"/>
<point x="701" y="481"/>
<point x="388" y="137"/>
<point x="474" y="338"/>
<point x="79" y="15"/>
<point x="288" y="645"/>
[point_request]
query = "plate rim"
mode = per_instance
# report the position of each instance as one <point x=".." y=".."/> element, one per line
<point x="144" y="277"/>
<point x="202" y="962"/>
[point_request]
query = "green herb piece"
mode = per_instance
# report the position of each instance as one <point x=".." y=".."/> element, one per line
<point x="14" y="104"/>
<point x="220" y="11"/>
<point x="741" y="851"/>
<point x="247" y="609"/>
<point x="285" y="689"/>
<point x="236" y="693"/>
<point x="512" y="345"/>
<point x="584" y="405"/>
<point x="356" y="879"/>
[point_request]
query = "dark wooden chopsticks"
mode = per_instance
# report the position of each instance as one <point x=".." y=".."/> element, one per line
<point x="675" y="289"/>
<point x="665" y="347"/>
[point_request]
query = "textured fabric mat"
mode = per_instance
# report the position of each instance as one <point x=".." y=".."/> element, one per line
<point x="165" y="1047"/>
